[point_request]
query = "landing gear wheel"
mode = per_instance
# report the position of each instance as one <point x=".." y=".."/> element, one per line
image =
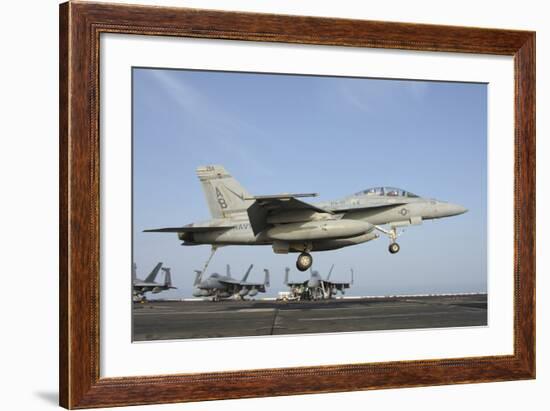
<point x="394" y="248"/>
<point x="305" y="260"/>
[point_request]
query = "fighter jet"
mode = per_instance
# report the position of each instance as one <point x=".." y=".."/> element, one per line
<point x="224" y="286"/>
<point x="315" y="287"/>
<point x="291" y="225"/>
<point x="140" y="287"/>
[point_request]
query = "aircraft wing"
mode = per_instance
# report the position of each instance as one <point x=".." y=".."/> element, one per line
<point x="188" y="229"/>
<point x="278" y="205"/>
<point x="261" y="288"/>
<point x="286" y="202"/>
<point x="227" y="281"/>
<point x="247" y="284"/>
<point x="296" y="284"/>
<point x="338" y="286"/>
<point x="240" y="285"/>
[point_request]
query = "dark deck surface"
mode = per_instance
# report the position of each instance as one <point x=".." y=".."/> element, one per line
<point x="162" y="320"/>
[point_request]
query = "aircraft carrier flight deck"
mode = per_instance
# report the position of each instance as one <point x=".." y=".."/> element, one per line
<point x="167" y="320"/>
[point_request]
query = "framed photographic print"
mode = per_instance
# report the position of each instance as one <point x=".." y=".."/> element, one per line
<point x="241" y="193"/>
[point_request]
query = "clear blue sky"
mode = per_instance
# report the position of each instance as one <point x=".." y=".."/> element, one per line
<point x="330" y="135"/>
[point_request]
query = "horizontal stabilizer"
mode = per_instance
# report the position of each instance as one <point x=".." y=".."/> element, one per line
<point x="188" y="229"/>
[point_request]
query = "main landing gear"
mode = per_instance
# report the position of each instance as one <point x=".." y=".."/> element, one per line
<point x="304" y="262"/>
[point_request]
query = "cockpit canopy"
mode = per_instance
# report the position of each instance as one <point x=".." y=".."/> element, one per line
<point x="385" y="191"/>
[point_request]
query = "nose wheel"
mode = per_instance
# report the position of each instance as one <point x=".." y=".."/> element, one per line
<point x="304" y="262"/>
<point x="392" y="234"/>
<point x="394" y="248"/>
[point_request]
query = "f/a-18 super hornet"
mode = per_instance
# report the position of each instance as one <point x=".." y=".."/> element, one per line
<point x="224" y="286"/>
<point x="140" y="287"/>
<point x="292" y="225"/>
<point x="315" y="287"/>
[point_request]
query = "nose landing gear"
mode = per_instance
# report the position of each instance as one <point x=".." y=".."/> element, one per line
<point x="304" y="262"/>
<point x="393" y="248"/>
<point x="392" y="234"/>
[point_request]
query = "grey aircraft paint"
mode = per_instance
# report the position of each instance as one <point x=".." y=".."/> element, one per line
<point x="316" y="287"/>
<point x="289" y="224"/>
<point x="217" y="286"/>
<point x="140" y="287"/>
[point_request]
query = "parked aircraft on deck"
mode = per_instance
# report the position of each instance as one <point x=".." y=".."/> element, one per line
<point x="316" y="287"/>
<point x="219" y="286"/>
<point x="140" y="287"/>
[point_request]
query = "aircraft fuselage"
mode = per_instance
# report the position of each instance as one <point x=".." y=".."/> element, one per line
<point x="354" y="226"/>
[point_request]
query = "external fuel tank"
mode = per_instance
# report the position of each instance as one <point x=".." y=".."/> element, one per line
<point x="319" y="230"/>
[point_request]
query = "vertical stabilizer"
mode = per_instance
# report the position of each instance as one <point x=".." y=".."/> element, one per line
<point x="286" y="275"/>
<point x="134" y="272"/>
<point x="247" y="273"/>
<point x="198" y="277"/>
<point x="151" y="277"/>
<point x="330" y="272"/>
<point x="266" y="280"/>
<point x="167" y="277"/>
<point x="224" y="195"/>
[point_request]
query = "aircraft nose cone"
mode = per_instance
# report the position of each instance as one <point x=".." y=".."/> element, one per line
<point x="455" y="209"/>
